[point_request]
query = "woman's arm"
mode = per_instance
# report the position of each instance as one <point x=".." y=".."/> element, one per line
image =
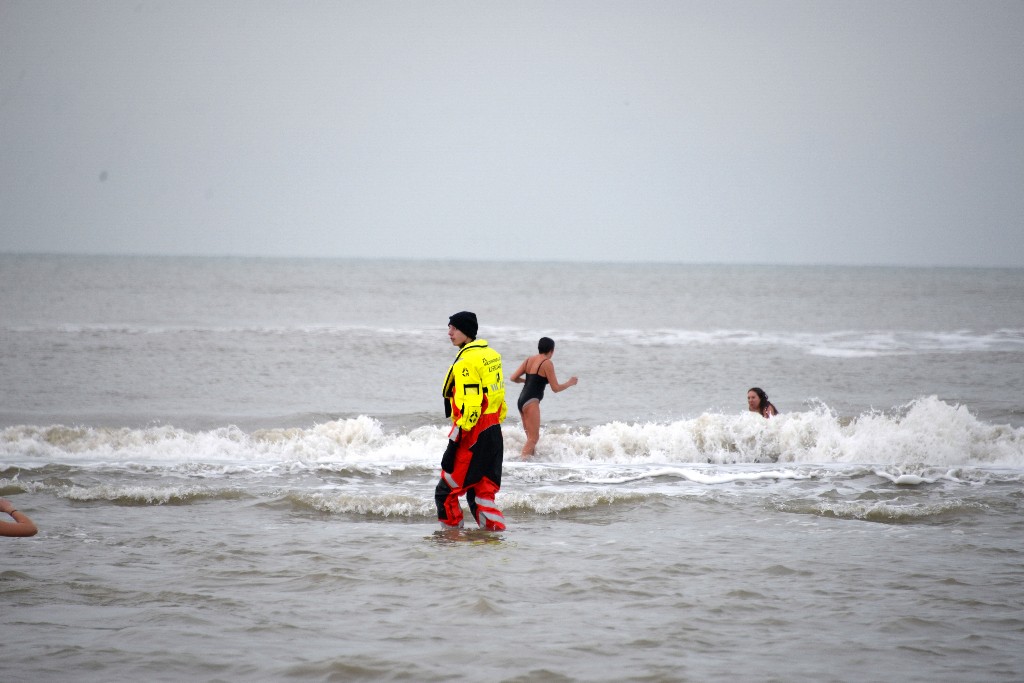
<point x="549" y="372"/>
<point x="22" y="526"/>
<point x="517" y="376"/>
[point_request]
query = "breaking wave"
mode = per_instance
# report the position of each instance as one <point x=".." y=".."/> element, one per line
<point x="925" y="432"/>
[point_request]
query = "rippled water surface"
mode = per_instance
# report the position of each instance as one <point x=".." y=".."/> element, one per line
<point x="232" y="464"/>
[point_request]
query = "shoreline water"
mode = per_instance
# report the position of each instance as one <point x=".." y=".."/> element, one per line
<point x="232" y="463"/>
<point x="672" y="590"/>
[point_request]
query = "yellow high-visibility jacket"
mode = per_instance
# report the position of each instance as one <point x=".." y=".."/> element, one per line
<point x="475" y="374"/>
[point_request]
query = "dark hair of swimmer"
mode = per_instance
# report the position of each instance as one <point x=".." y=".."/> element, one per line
<point x="545" y="345"/>
<point x="765" y="407"/>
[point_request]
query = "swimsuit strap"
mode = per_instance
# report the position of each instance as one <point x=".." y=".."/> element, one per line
<point x="537" y="371"/>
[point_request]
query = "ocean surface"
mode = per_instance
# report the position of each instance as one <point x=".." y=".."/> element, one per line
<point x="232" y="464"/>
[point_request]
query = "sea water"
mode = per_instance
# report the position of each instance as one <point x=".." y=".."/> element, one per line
<point x="232" y="463"/>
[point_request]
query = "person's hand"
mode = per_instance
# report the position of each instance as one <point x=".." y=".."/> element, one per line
<point x="6" y="506"/>
<point x="573" y="381"/>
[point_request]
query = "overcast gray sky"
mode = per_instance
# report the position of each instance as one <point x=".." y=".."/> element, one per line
<point x="855" y="132"/>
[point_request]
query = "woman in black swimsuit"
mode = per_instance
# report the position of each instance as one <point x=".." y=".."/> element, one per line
<point x="535" y="373"/>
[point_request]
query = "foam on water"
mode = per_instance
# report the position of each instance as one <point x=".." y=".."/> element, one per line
<point x="925" y="432"/>
<point x="358" y="440"/>
<point x="921" y="456"/>
<point x="839" y="344"/>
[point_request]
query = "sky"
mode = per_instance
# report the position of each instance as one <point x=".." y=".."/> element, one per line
<point x="776" y="132"/>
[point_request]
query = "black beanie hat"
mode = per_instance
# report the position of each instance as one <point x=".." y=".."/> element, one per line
<point x="464" y="322"/>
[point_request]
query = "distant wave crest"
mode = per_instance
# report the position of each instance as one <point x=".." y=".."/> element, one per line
<point x="834" y="343"/>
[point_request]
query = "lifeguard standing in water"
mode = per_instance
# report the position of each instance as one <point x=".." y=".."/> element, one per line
<point x="474" y="398"/>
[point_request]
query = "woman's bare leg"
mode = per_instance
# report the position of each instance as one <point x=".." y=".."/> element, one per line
<point x="531" y="425"/>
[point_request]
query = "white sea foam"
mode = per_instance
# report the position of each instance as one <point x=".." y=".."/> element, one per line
<point x="836" y="343"/>
<point x="360" y="441"/>
<point x="926" y="432"/>
<point x="910" y="464"/>
<point x="839" y="344"/>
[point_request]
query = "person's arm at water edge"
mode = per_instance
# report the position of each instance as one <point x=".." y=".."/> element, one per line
<point x="22" y="526"/>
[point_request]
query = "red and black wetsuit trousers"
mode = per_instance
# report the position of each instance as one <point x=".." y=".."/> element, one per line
<point x="472" y="466"/>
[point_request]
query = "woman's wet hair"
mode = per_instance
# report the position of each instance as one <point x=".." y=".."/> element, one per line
<point x="761" y="395"/>
<point x="764" y="406"/>
<point x="546" y="344"/>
